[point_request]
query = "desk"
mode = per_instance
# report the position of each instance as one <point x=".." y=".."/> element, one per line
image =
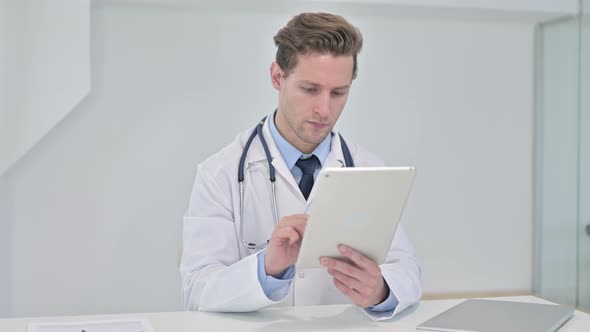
<point x="313" y="318"/>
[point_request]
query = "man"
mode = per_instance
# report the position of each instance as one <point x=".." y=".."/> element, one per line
<point x="223" y="267"/>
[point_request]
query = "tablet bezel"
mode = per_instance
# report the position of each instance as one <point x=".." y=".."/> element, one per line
<point x="373" y="209"/>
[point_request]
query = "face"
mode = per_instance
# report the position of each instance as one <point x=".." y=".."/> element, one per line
<point x="311" y="97"/>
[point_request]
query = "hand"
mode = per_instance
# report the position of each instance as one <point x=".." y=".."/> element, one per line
<point x="284" y="244"/>
<point x="362" y="281"/>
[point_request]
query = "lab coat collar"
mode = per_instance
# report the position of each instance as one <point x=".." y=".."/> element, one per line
<point x="335" y="157"/>
<point x="256" y="154"/>
<point x="290" y="153"/>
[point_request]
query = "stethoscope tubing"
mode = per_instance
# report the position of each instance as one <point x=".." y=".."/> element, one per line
<point x="272" y="177"/>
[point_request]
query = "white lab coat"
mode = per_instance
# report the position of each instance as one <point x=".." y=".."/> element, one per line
<point x="220" y="274"/>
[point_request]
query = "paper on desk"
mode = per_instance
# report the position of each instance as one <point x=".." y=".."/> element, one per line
<point x="119" y="325"/>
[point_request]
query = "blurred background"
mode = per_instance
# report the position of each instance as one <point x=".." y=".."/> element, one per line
<point x="107" y="106"/>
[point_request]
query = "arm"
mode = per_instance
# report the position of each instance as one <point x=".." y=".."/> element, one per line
<point x="372" y="287"/>
<point x="213" y="275"/>
<point x="401" y="270"/>
<point x="214" y="278"/>
<point x="402" y="274"/>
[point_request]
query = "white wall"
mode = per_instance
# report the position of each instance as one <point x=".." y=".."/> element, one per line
<point x="10" y="82"/>
<point x="47" y="71"/>
<point x="96" y="219"/>
<point x="5" y="247"/>
<point x="5" y="237"/>
<point x="455" y="100"/>
<point x="569" y="6"/>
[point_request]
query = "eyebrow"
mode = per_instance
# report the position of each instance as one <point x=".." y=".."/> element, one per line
<point x="316" y="85"/>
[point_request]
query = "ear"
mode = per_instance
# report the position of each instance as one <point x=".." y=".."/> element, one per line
<point x="276" y="75"/>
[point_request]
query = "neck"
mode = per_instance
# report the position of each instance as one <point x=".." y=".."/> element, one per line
<point x="289" y="134"/>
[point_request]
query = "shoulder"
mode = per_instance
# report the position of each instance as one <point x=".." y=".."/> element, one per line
<point x="363" y="157"/>
<point x="227" y="159"/>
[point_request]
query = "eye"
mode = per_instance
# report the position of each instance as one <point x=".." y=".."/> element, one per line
<point x="309" y="90"/>
<point x="338" y="93"/>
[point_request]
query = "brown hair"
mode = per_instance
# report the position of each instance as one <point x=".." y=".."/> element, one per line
<point x="317" y="32"/>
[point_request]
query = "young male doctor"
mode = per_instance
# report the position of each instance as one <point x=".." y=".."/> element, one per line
<point x="240" y="244"/>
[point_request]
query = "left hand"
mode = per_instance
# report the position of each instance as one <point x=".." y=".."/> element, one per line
<point x="362" y="281"/>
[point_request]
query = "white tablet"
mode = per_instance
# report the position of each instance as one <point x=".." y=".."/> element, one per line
<point x="359" y="207"/>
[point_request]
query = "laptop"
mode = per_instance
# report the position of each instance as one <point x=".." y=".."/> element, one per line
<point x="359" y="207"/>
<point x="476" y="315"/>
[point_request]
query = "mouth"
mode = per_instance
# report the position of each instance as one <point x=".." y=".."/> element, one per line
<point x="318" y="125"/>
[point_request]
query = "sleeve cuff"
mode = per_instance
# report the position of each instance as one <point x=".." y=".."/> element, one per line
<point x="388" y="305"/>
<point x="271" y="284"/>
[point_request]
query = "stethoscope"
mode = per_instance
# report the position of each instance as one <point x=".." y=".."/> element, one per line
<point x="258" y="132"/>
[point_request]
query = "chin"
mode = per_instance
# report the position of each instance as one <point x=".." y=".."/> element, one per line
<point x="317" y="140"/>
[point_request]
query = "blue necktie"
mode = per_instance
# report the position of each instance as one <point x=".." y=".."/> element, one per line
<point x="308" y="167"/>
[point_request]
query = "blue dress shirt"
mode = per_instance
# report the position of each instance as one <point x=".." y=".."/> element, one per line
<point x="290" y="154"/>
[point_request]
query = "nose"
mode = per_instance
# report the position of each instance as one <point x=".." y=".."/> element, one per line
<point x="322" y="105"/>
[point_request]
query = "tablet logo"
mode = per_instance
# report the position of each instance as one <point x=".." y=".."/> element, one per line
<point x="357" y="220"/>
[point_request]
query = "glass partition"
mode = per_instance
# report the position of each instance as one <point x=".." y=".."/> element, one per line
<point x="562" y="253"/>
<point x="584" y="161"/>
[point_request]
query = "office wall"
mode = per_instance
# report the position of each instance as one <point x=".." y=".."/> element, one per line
<point x="5" y="247"/>
<point x="96" y="219"/>
<point x="8" y="76"/>
<point x="44" y="42"/>
<point x="455" y="99"/>
<point x="4" y="222"/>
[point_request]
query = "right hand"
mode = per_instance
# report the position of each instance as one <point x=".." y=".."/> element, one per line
<point x="284" y="244"/>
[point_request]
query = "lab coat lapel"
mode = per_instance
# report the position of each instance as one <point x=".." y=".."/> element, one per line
<point x="335" y="157"/>
<point x="256" y="154"/>
<point x="277" y="161"/>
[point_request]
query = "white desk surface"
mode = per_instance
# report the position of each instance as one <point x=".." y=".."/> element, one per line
<point x="312" y="318"/>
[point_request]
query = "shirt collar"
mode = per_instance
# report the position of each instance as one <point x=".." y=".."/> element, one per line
<point x="290" y="153"/>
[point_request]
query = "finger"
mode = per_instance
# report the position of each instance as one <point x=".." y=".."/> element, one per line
<point x="295" y="217"/>
<point x="352" y="294"/>
<point x="287" y="233"/>
<point x="359" y="259"/>
<point x="343" y="267"/>
<point x="299" y="216"/>
<point x="298" y="221"/>
<point x="283" y="227"/>
<point x="353" y="283"/>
